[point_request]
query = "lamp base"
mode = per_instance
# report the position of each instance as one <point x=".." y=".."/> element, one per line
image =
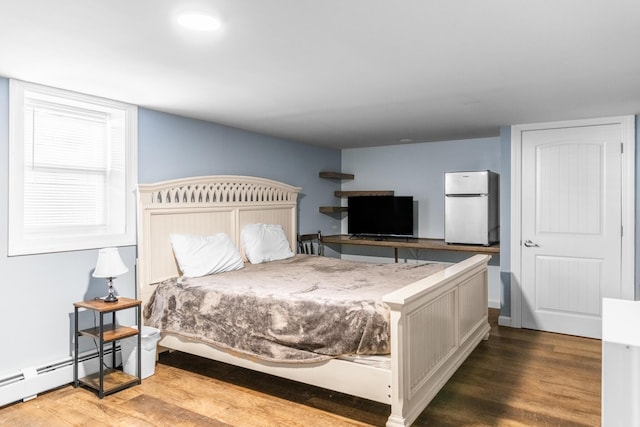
<point x="111" y="297"/>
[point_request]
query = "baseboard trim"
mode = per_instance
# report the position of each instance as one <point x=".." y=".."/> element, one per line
<point x="31" y="381"/>
<point x="504" y="321"/>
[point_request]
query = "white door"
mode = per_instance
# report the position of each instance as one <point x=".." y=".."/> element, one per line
<point x="571" y="226"/>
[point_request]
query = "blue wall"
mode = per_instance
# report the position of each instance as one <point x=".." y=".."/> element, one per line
<point x="172" y="147"/>
<point x="418" y="170"/>
<point x="38" y="291"/>
<point x="505" y="221"/>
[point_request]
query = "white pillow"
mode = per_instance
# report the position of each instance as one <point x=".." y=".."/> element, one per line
<point x="264" y="243"/>
<point x="201" y="255"/>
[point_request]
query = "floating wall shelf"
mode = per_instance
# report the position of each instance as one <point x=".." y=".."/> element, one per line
<point x="344" y="209"/>
<point x="336" y="175"/>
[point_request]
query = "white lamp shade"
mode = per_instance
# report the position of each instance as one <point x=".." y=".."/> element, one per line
<point x="109" y="263"/>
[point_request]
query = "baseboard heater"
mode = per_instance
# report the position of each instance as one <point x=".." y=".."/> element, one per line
<point x="31" y="381"/>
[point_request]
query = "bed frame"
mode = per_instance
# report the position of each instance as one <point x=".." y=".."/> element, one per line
<point x="436" y="322"/>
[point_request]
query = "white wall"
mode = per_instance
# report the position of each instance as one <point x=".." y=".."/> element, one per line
<point x="418" y="170"/>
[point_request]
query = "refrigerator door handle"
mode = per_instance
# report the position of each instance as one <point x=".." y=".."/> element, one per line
<point x="530" y="244"/>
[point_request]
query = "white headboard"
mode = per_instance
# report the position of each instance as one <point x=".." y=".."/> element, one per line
<point x="205" y="205"/>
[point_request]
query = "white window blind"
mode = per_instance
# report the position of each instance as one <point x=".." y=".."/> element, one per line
<point x="72" y="171"/>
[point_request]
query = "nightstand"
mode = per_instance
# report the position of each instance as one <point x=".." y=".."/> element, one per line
<point x="107" y="381"/>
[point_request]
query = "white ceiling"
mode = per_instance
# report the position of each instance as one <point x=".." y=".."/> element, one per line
<point x="339" y="73"/>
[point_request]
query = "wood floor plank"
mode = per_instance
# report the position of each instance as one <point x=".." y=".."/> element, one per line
<point x="235" y="404"/>
<point x="516" y="378"/>
<point x="161" y="412"/>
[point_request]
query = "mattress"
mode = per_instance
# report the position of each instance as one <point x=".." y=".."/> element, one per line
<point x="300" y="310"/>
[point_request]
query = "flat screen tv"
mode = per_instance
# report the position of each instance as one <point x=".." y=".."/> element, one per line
<point x="380" y="215"/>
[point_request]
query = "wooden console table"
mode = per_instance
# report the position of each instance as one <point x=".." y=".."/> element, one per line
<point x="409" y="242"/>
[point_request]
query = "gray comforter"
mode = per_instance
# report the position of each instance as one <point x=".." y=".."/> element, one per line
<point x="302" y="309"/>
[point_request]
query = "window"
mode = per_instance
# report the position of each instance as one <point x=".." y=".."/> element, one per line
<point x="72" y="170"/>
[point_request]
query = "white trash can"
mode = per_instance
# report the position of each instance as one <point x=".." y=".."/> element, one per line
<point x="150" y="337"/>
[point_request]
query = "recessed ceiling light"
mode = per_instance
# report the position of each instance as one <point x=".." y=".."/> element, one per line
<point x="198" y="21"/>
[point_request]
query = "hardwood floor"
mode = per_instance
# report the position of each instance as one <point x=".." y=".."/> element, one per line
<point x="516" y="378"/>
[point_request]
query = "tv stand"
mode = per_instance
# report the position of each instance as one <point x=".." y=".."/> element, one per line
<point x="407" y="242"/>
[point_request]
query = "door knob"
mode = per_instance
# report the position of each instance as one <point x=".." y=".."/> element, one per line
<point x="530" y="244"/>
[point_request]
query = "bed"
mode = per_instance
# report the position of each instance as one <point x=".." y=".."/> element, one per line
<point x="435" y="321"/>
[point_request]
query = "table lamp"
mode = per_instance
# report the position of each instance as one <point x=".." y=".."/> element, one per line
<point x="109" y="266"/>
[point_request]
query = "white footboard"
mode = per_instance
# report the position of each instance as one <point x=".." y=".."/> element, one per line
<point x="435" y="324"/>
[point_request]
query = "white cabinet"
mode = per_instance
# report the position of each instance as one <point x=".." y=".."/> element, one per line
<point x="620" y="363"/>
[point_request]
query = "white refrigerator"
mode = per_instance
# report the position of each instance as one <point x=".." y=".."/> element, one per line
<point x="471" y="208"/>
